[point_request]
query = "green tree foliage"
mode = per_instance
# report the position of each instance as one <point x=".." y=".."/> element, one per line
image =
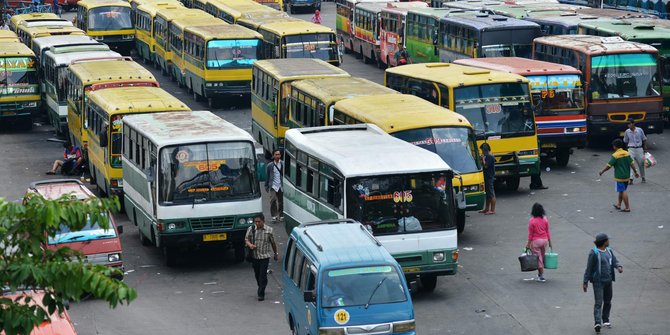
<point x="26" y="263"/>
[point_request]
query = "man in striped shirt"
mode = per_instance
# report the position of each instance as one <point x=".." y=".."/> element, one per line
<point x="261" y="240"/>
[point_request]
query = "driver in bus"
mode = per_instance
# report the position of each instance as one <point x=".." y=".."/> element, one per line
<point x="237" y="53"/>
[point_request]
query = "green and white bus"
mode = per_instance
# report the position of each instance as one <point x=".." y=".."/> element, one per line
<point x="190" y="180"/>
<point x="402" y="193"/>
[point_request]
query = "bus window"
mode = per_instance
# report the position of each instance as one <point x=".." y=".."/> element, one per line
<point x="455" y="145"/>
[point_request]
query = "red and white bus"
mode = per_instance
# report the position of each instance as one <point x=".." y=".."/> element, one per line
<point x="392" y="30"/>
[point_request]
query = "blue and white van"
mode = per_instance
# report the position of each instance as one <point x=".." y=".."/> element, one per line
<point x="338" y="279"/>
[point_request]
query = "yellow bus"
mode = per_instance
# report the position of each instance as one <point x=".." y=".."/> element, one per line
<point x="105" y="110"/>
<point x="300" y="39"/>
<point x="144" y="27"/>
<point x="231" y="10"/>
<point x="217" y="60"/>
<point x="428" y="126"/>
<point x="199" y="4"/>
<point x="312" y="100"/>
<point x="30" y="17"/>
<point x="163" y="17"/>
<point x="19" y="84"/>
<point x="8" y="36"/>
<point x="254" y="20"/>
<point x="497" y="104"/>
<point x="108" y="21"/>
<point x="176" y="38"/>
<point x="270" y="95"/>
<point x="28" y="34"/>
<point x="84" y="77"/>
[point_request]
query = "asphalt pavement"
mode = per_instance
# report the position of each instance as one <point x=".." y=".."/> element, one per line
<point x="211" y="294"/>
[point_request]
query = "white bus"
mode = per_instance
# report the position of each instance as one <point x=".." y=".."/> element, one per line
<point x="42" y="44"/>
<point x="402" y="193"/>
<point x="55" y="61"/>
<point x="190" y="180"/>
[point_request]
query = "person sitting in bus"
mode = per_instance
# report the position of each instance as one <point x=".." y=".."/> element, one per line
<point x="237" y="54"/>
<point x="72" y="160"/>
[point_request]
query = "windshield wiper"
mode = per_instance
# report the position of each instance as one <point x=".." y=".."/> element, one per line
<point x="374" y="291"/>
<point x="104" y="236"/>
<point x="71" y="238"/>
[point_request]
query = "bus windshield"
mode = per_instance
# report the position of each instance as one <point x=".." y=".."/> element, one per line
<point x="18" y="76"/>
<point x="496" y="109"/>
<point x="109" y="18"/>
<point x="618" y="76"/>
<point x="557" y="94"/>
<point x="320" y="46"/>
<point x="508" y="43"/>
<point x="230" y="54"/>
<point x="397" y="204"/>
<point x="455" y="145"/>
<point x="362" y="285"/>
<point x="210" y="172"/>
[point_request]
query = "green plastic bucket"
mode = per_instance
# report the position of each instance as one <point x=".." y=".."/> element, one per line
<point x="551" y="260"/>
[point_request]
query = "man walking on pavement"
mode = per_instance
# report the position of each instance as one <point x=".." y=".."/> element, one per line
<point x="622" y="164"/>
<point x="260" y="240"/>
<point x="600" y="272"/>
<point x="636" y="140"/>
<point x="273" y="184"/>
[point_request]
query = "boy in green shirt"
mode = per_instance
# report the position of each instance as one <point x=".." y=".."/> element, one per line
<point x="622" y="163"/>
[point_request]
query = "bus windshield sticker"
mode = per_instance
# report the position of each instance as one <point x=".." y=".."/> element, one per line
<point x="404" y="196"/>
<point x="493" y="108"/>
<point x="378" y="197"/>
<point x="208" y="189"/>
<point x="181" y="156"/>
<point x="429" y="141"/>
<point x="203" y="166"/>
<point x="341" y="317"/>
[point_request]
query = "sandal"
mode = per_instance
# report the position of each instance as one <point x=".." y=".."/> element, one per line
<point x="617" y="207"/>
<point x="482" y="212"/>
<point x="489" y="213"/>
<point x="51" y="173"/>
<point x="627" y="210"/>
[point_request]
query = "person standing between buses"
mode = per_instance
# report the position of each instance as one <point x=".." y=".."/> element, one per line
<point x="273" y="184"/>
<point x="260" y="240"/>
<point x="622" y="164"/>
<point x="489" y="163"/>
<point x="636" y="141"/>
<point x="316" y="18"/>
<point x="538" y="237"/>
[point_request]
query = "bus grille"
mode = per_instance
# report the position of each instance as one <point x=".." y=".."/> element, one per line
<point x="212" y="223"/>
<point x="408" y="259"/>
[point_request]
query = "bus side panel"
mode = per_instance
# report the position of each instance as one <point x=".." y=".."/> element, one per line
<point x="137" y="198"/>
<point x="300" y="208"/>
<point x="421" y="51"/>
<point x="74" y="124"/>
<point x="97" y="161"/>
<point x="264" y="120"/>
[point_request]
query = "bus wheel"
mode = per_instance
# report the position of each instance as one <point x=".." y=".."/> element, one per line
<point x="428" y="283"/>
<point x="170" y="254"/>
<point x="366" y="60"/>
<point x="512" y="183"/>
<point x="562" y="156"/>
<point x="196" y="97"/>
<point x="460" y="221"/>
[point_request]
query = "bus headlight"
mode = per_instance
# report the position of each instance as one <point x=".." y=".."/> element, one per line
<point x="403" y="327"/>
<point x="98" y="38"/>
<point x="250" y="220"/>
<point x="438" y="256"/>
<point x="115" y="257"/>
<point x="528" y="152"/>
<point x="175" y="225"/>
<point x="128" y="37"/>
<point x="30" y="104"/>
<point x="471" y="188"/>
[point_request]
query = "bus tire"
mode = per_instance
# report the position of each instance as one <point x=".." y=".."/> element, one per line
<point x="428" y="283"/>
<point x="366" y="60"/>
<point x="512" y="183"/>
<point x="170" y="254"/>
<point x="562" y="156"/>
<point x="196" y="96"/>
<point x="460" y="221"/>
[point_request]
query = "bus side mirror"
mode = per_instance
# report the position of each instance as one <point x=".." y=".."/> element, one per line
<point x="103" y="139"/>
<point x="260" y="171"/>
<point x="331" y="115"/>
<point x="309" y="296"/>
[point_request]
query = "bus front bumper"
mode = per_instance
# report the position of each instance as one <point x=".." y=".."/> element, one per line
<point x="19" y="109"/>
<point x="611" y="129"/>
<point x="523" y="168"/>
<point x="198" y="239"/>
<point x="416" y="264"/>
<point x="551" y="142"/>
<point x="474" y="201"/>
<point x="221" y="88"/>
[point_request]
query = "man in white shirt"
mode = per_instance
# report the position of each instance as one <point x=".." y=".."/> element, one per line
<point x="636" y="140"/>
<point x="273" y="184"/>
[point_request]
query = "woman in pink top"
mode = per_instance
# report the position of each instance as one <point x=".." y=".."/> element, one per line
<point x="538" y="237"/>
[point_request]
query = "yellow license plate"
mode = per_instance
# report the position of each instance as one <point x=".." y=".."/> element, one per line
<point x="549" y="145"/>
<point x="214" y="237"/>
<point x="411" y="270"/>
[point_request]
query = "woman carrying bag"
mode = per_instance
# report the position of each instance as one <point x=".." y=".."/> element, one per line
<point x="538" y="238"/>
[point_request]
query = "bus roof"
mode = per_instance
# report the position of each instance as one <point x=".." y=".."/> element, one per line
<point x="143" y="99"/>
<point x="223" y="31"/>
<point x="630" y="31"/>
<point x="101" y="3"/>
<point x="400" y="112"/>
<point x="67" y="58"/>
<point x="8" y="36"/>
<point x="110" y="70"/>
<point x="296" y="27"/>
<point x="489" y="22"/>
<point x="201" y="19"/>
<point x="595" y="44"/>
<point x="332" y="89"/>
<point x="262" y="14"/>
<point x="344" y="243"/>
<point x="613" y="13"/>
<point x="290" y="69"/>
<point x="185" y="127"/>
<point x="54" y="188"/>
<point x="403" y="7"/>
<point x="342" y="147"/>
<point x="62" y="40"/>
<point x="52" y="30"/>
<point x="9" y="49"/>
<point x="48" y="22"/>
<point x="453" y="75"/>
<point x="16" y="19"/>
<point x="371" y="6"/>
<point x="154" y="7"/>
<point x="171" y="13"/>
<point x="519" y="65"/>
<point x="437" y="13"/>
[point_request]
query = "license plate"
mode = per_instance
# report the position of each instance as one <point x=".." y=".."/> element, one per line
<point x="9" y="113"/>
<point x="214" y="237"/>
<point x="549" y="145"/>
<point x="411" y="270"/>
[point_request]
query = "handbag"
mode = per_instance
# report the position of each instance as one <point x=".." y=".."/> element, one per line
<point x="649" y="160"/>
<point x="249" y="253"/>
<point x="551" y="259"/>
<point x="528" y="261"/>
